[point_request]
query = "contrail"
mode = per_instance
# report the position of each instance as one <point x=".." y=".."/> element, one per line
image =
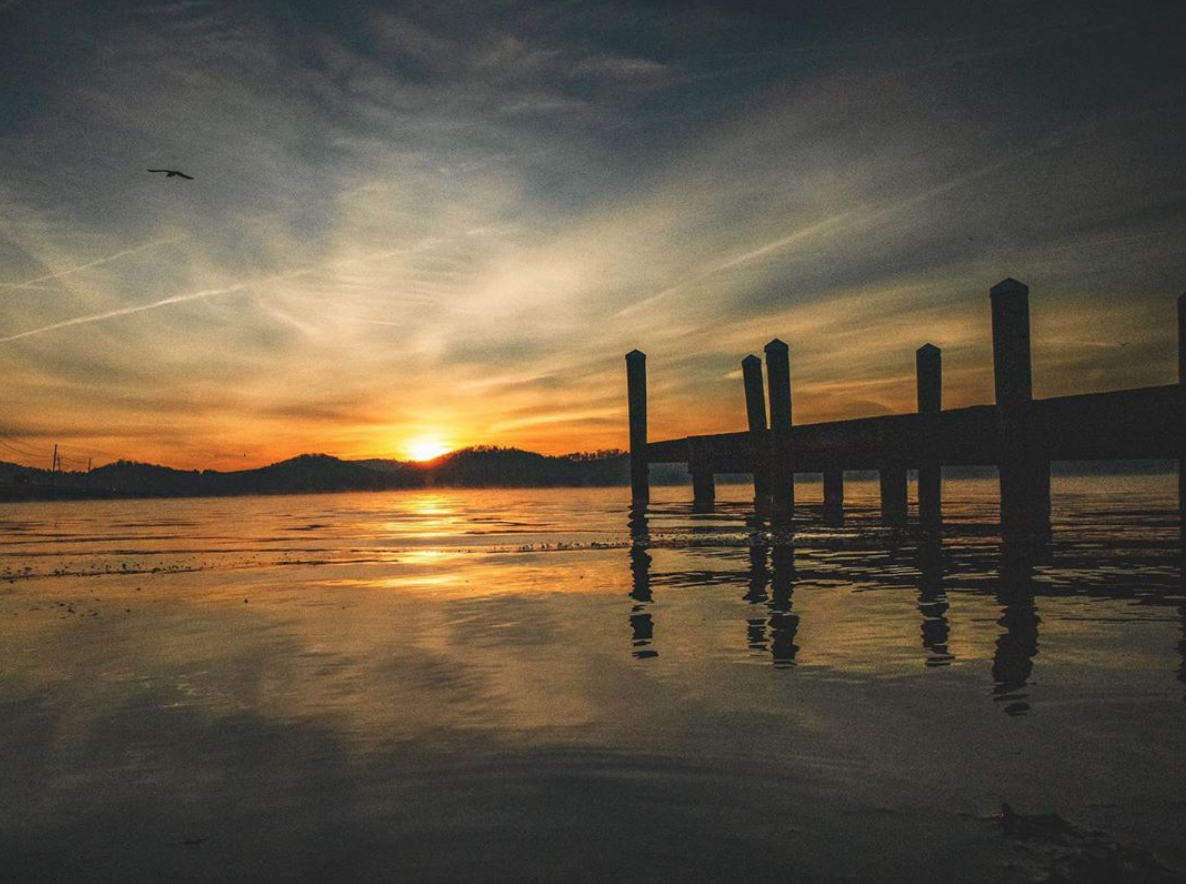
<point x="29" y="283"/>
<point x="126" y="311"/>
<point x="208" y="293"/>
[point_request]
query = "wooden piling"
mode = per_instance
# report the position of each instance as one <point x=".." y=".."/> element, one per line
<point x="834" y="497"/>
<point x="703" y="491"/>
<point x="1024" y="476"/>
<point x="1182" y="338"/>
<point x="782" y="470"/>
<point x="1182" y="416"/>
<point x="636" y="392"/>
<point x="755" y="410"/>
<point x="929" y="367"/>
<point x="703" y="478"/>
<point x="778" y="376"/>
<point x="755" y="395"/>
<point x="892" y="478"/>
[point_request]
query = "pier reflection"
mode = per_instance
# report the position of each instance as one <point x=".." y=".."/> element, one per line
<point x="932" y="601"/>
<point x="771" y="584"/>
<point x="783" y="622"/>
<point x="1006" y="584"/>
<point x="1013" y="662"/>
<point x="642" y="624"/>
<point x="756" y="594"/>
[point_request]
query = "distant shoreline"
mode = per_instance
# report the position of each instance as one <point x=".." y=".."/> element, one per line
<point x="481" y="467"/>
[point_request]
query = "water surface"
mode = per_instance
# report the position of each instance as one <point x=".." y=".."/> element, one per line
<point x="527" y="685"/>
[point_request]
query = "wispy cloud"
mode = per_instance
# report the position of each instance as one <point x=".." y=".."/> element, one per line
<point x="621" y="67"/>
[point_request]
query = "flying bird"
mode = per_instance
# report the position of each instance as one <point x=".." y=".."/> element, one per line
<point x="173" y="173"/>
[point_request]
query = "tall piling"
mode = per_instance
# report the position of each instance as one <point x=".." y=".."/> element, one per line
<point x="755" y="395"/>
<point x="755" y="410"/>
<point x="1024" y="476"/>
<point x="1182" y="416"/>
<point x="928" y="361"/>
<point x="782" y="470"/>
<point x="636" y="393"/>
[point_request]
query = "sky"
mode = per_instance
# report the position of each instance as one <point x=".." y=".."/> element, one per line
<point x="445" y="223"/>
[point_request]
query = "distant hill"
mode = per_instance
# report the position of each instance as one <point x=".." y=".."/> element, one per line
<point x="482" y="466"/>
<point x="306" y="473"/>
<point x="478" y="467"/>
<point x="488" y="466"/>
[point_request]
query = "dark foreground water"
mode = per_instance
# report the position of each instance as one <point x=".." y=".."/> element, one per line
<point x="504" y="686"/>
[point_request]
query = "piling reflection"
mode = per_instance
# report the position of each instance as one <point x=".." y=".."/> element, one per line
<point x="764" y="565"/>
<point x="770" y="584"/>
<point x="638" y="526"/>
<point x="1013" y="662"/>
<point x="932" y="601"/>
<point x="642" y="624"/>
<point x="756" y="594"/>
<point x="783" y="622"/>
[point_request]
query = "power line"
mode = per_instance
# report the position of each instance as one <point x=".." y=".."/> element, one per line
<point x="20" y="449"/>
<point x="59" y="461"/>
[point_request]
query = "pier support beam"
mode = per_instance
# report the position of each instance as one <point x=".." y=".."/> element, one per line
<point x="703" y="479"/>
<point x="1182" y="416"/>
<point x="782" y="470"/>
<point x="1025" y="478"/>
<point x="755" y="410"/>
<point x="703" y="491"/>
<point x="636" y="392"/>
<point x="893" y="495"/>
<point x="929" y="366"/>
<point x="833" y="496"/>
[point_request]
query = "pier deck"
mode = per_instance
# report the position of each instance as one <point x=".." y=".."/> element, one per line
<point x="1019" y="435"/>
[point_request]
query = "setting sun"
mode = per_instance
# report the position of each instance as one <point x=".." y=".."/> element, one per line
<point x="426" y="448"/>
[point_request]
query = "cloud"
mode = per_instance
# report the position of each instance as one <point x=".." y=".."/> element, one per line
<point x="620" y="67"/>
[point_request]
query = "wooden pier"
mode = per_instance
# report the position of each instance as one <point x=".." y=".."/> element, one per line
<point x="1019" y="435"/>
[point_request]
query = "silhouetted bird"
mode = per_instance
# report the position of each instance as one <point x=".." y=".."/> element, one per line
<point x="173" y="173"/>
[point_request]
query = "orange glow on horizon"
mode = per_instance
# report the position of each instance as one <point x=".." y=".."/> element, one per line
<point x="426" y="448"/>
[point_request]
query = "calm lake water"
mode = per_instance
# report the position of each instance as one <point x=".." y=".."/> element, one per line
<point x="519" y="686"/>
